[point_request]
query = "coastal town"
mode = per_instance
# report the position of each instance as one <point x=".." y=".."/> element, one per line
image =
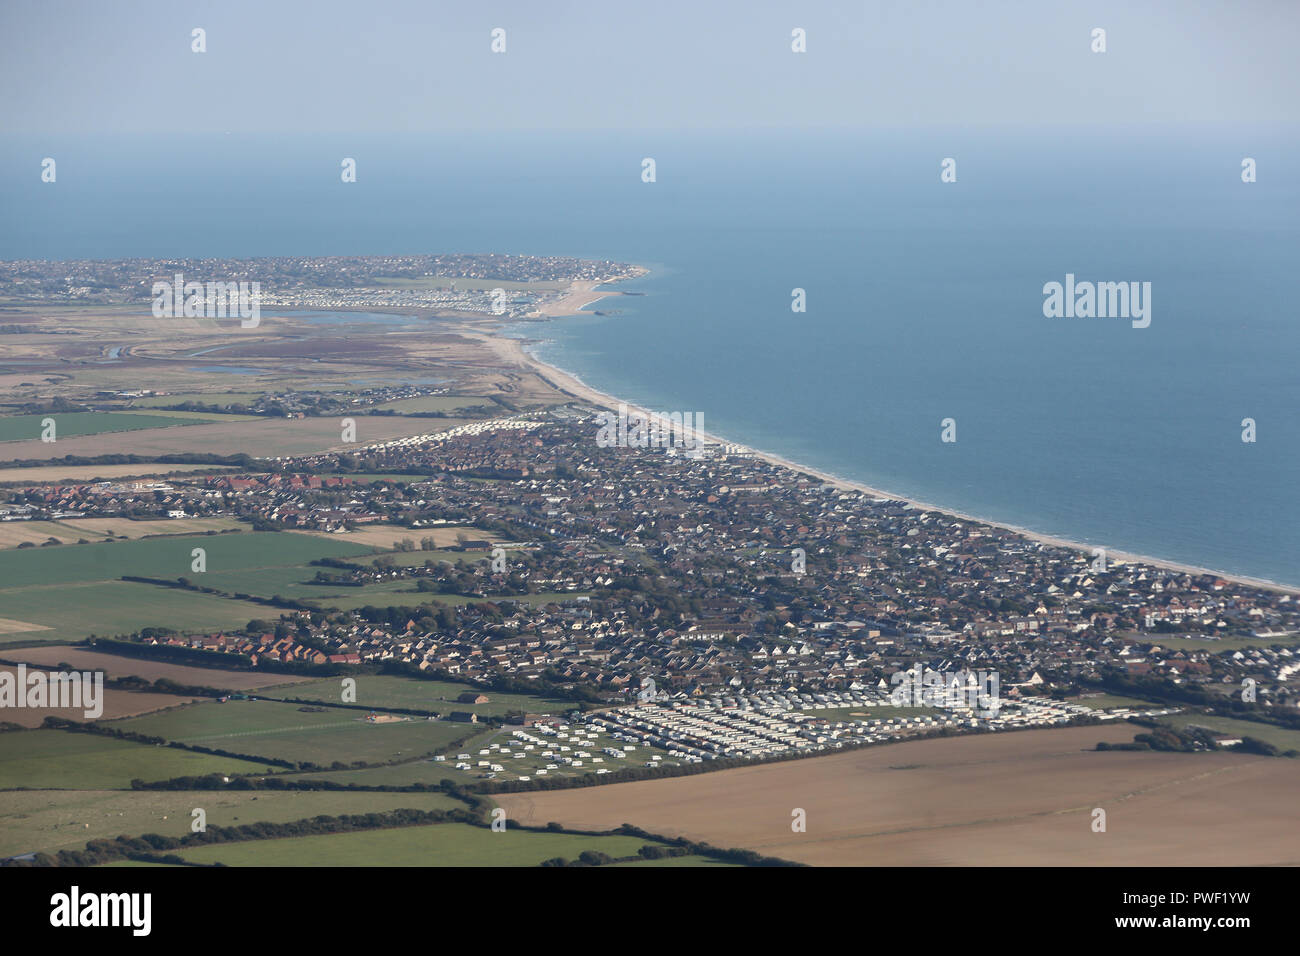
<point x="741" y="592"/>
<point x="460" y="436"/>
<point x="508" y="286"/>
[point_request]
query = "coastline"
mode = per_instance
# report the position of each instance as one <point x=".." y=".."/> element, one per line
<point x="513" y="351"/>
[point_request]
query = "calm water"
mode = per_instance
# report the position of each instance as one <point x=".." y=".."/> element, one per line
<point x="924" y="299"/>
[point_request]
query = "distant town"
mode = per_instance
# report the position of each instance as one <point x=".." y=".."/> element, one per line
<point x="456" y="283"/>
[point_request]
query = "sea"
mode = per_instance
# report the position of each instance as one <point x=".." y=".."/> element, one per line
<point x="924" y="299"/>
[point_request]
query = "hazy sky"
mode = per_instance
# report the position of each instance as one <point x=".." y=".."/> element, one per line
<point x="71" y="66"/>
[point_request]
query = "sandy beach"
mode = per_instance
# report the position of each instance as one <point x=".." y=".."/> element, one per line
<point x="579" y="296"/>
<point x="513" y="352"/>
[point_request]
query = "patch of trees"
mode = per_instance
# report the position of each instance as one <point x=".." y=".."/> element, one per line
<point x="170" y="652"/>
<point x="185" y="584"/>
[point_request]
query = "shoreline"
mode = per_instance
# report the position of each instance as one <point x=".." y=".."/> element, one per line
<point x="513" y="351"/>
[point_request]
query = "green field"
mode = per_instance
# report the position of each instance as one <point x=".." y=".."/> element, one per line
<point x="416" y="559"/>
<point x="411" y="693"/>
<point x="52" y="820"/>
<point x="1279" y="737"/>
<point x="269" y="729"/>
<point x="71" y="424"/>
<point x="404" y="593"/>
<point x="437" y="403"/>
<point x="294" y="582"/>
<point x="72" y="612"/>
<point x="1107" y="701"/>
<point x="183" y="417"/>
<point x="444" y="844"/>
<point x="202" y="398"/>
<point x="56" y="587"/>
<point x="60" y="760"/>
<point x="168" y="558"/>
<point x="384" y="594"/>
<point x="399" y="775"/>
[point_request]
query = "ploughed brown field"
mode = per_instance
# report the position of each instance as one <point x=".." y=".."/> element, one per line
<point x="115" y="704"/>
<point x="994" y="800"/>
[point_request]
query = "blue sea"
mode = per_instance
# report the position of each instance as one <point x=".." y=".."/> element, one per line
<point x="924" y="299"/>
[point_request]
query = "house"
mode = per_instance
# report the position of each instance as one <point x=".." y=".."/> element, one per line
<point x="463" y="717"/>
<point x="472" y="697"/>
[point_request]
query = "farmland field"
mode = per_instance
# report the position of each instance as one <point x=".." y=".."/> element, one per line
<point x="385" y="535"/>
<point x="295" y="582"/>
<point x="404" y="593"/>
<point x="115" y="703"/>
<point x="427" y="772"/>
<point x="60" y="760"/>
<point x="165" y="557"/>
<point x="444" y="844"/>
<point x="261" y="437"/>
<point x="374" y="690"/>
<point x="87" y="473"/>
<point x="118" y="665"/>
<point x="1108" y="701"/>
<point x="998" y="799"/>
<point x="119" y="607"/>
<point x="437" y="403"/>
<point x="72" y="530"/>
<point x="51" y="820"/>
<point x="416" y="559"/>
<point x="1280" y="737"/>
<point x="285" y="731"/>
<point x="203" y="398"/>
<point x="183" y="416"/>
<point x="23" y="428"/>
<point x="52" y="587"/>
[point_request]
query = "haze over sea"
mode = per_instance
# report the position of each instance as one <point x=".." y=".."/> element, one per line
<point x="924" y="299"/>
